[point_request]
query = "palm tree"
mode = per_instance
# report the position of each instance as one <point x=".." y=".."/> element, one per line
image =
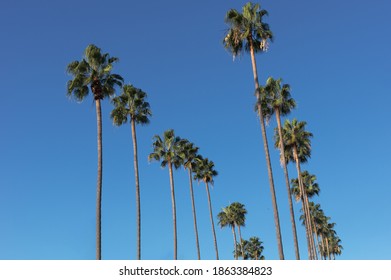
<point x="131" y="103"/>
<point x="278" y="100"/>
<point x="188" y="153"/>
<point x="298" y="149"/>
<point x="93" y="73"/>
<point x="248" y="32"/>
<point x="167" y="151"/>
<point x="226" y="218"/>
<point x="239" y="212"/>
<point x="311" y="188"/>
<point x="253" y="249"/>
<point x="335" y="246"/>
<point x="205" y="172"/>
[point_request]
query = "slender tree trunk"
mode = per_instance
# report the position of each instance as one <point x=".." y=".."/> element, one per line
<point x="194" y="213"/>
<point x="99" y="181"/>
<point x="306" y="226"/>
<point x="327" y="247"/>
<point x="288" y="187"/>
<point x="235" y="242"/>
<point x="305" y="210"/>
<point x="310" y="228"/>
<point x="266" y="147"/>
<point x="211" y="220"/>
<point x="313" y="234"/>
<point x="173" y="208"/>
<point x="241" y="241"/>
<point x="136" y="176"/>
<point x="323" y="247"/>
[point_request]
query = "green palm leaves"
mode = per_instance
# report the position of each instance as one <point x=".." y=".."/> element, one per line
<point x="131" y="104"/>
<point x="247" y="30"/>
<point x="93" y="70"/>
<point x="234" y="216"/>
<point x="253" y="249"/>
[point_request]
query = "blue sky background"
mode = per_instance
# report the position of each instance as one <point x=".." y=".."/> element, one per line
<point x="334" y="54"/>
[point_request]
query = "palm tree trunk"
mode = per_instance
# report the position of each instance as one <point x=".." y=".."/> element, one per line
<point x="211" y="220"/>
<point x="323" y="247"/>
<point x="313" y="233"/>
<point x="136" y="175"/>
<point x="306" y="227"/>
<point x="235" y="242"/>
<point x="194" y="213"/>
<point x="173" y="208"/>
<point x="266" y="147"/>
<point x="305" y="210"/>
<point x="327" y="247"/>
<point x="241" y="241"/>
<point x="310" y="228"/>
<point x="288" y="187"/>
<point x="99" y="181"/>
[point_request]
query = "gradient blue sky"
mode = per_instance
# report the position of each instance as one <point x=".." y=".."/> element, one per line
<point x="334" y="54"/>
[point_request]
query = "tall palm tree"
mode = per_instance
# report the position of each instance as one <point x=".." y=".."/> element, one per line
<point x="188" y="152"/>
<point x="298" y="149"/>
<point x="226" y="218"/>
<point x="131" y="103"/>
<point x="167" y="151"/>
<point x="205" y="172"/>
<point x="311" y="188"/>
<point x="93" y="73"/>
<point x="279" y="101"/>
<point x="248" y="32"/>
<point x="239" y="211"/>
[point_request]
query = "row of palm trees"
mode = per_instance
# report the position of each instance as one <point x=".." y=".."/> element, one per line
<point x="93" y="73"/>
<point x="248" y="32"/>
<point x="327" y="241"/>
<point x="173" y="151"/>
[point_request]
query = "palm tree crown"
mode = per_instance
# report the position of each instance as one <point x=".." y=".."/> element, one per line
<point x="205" y="170"/>
<point x="277" y="97"/>
<point x="246" y="29"/>
<point x="295" y="135"/>
<point x="131" y="103"/>
<point x="93" y="70"/>
<point x="167" y="150"/>
<point x="311" y="188"/>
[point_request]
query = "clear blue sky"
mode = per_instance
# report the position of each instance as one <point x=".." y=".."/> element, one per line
<point x="334" y="54"/>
